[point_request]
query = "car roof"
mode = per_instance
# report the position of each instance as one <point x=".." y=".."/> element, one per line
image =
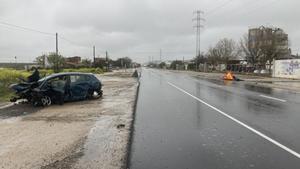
<point x="67" y="73"/>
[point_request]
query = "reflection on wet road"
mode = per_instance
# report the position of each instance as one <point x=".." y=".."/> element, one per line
<point x="181" y="126"/>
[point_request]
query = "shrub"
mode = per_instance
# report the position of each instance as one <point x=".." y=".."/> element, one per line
<point x="8" y="77"/>
<point x="85" y="70"/>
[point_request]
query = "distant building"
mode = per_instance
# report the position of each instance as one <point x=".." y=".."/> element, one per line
<point x="135" y="65"/>
<point x="100" y="60"/>
<point x="266" y="37"/>
<point x="73" y="60"/>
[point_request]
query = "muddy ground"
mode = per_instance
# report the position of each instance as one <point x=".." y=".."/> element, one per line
<point x="85" y="134"/>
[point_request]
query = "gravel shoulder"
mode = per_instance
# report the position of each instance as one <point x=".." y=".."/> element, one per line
<point x="86" y="134"/>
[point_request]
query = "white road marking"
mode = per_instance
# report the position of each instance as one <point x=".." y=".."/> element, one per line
<point x="240" y="123"/>
<point x="273" y="98"/>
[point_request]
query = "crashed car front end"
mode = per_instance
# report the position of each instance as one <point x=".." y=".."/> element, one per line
<point x="22" y="91"/>
<point x="58" y="88"/>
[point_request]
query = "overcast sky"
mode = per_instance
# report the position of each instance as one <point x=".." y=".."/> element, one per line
<point x="135" y="28"/>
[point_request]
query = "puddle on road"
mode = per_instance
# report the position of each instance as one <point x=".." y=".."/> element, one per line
<point x="260" y="89"/>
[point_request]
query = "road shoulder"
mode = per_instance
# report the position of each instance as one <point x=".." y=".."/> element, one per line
<point x="87" y="134"/>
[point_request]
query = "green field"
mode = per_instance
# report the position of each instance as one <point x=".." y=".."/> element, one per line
<point x="10" y="76"/>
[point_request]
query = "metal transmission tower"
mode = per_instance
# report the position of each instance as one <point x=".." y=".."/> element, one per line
<point x="198" y="27"/>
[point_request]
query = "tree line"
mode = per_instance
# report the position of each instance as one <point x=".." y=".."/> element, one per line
<point x="228" y="49"/>
<point x="57" y="62"/>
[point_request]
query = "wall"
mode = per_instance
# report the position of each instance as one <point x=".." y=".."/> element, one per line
<point x="287" y="68"/>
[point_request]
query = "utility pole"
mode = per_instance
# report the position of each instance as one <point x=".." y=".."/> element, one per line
<point x="198" y="27"/>
<point x="160" y="51"/>
<point x="56" y="35"/>
<point x="56" y="66"/>
<point x="44" y="61"/>
<point x="122" y="66"/>
<point x="16" y="62"/>
<point x="94" y="54"/>
<point x="107" y="63"/>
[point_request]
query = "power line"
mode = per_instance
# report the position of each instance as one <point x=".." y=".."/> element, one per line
<point x="251" y="4"/>
<point x="9" y="26"/>
<point x="258" y="7"/>
<point x="72" y="42"/>
<point x="26" y="28"/>
<point x="38" y="31"/>
<point x="211" y="11"/>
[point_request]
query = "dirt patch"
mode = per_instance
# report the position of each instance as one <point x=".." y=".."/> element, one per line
<point x="76" y="135"/>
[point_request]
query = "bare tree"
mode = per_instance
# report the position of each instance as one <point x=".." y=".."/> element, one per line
<point x="252" y="54"/>
<point x="223" y="51"/>
<point x="227" y="49"/>
<point x="213" y="56"/>
<point x="274" y="49"/>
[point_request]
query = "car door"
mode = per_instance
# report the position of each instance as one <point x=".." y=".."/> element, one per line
<point x="79" y="87"/>
<point x="55" y="88"/>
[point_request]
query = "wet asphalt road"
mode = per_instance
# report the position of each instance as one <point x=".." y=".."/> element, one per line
<point x="184" y="123"/>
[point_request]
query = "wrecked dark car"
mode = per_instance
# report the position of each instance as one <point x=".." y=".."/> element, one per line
<point x="59" y="88"/>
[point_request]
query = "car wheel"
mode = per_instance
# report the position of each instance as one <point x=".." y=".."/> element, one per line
<point x="100" y="93"/>
<point x="35" y="103"/>
<point x="46" y="101"/>
<point x="95" y="94"/>
<point x="89" y="94"/>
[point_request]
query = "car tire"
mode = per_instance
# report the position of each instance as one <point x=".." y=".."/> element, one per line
<point x="46" y="101"/>
<point x="35" y="103"/>
<point x="91" y="94"/>
<point x="100" y="93"/>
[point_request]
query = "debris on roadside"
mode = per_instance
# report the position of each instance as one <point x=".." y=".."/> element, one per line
<point x="229" y="76"/>
<point x="121" y="126"/>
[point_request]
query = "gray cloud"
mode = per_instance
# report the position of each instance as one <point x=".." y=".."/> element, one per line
<point x="135" y="28"/>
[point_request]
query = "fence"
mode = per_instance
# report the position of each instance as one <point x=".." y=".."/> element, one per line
<point x="287" y="68"/>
